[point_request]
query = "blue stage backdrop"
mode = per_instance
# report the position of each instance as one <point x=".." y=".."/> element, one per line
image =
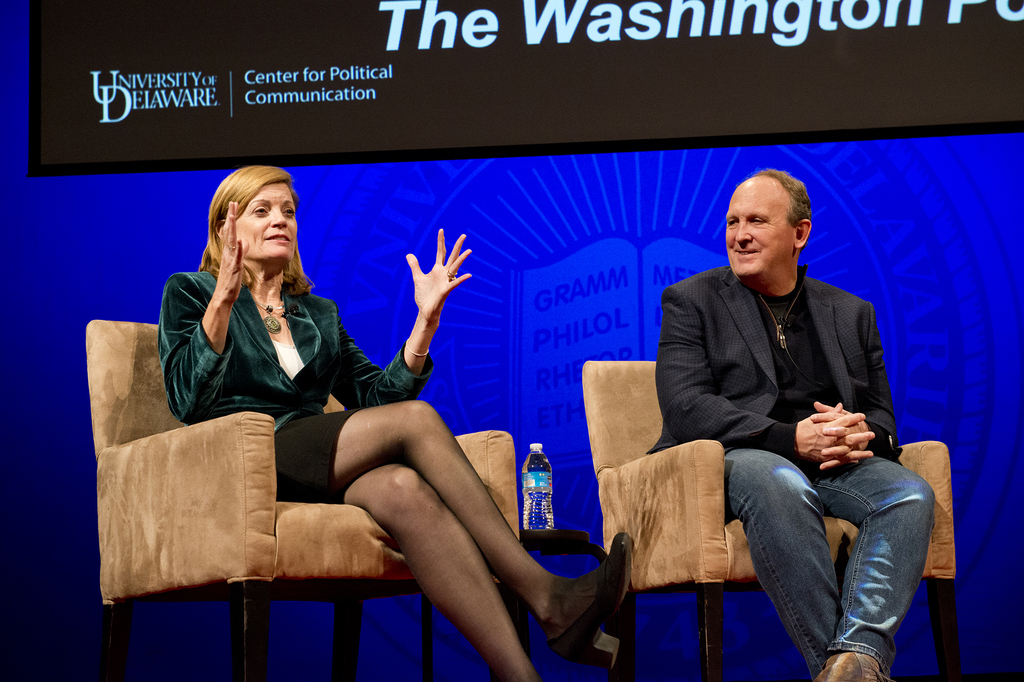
<point x="571" y="254"/>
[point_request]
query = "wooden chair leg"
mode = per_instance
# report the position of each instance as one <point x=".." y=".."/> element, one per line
<point x="117" y="627"/>
<point x="710" y="623"/>
<point x="623" y="626"/>
<point x="249" y="603"/>
<point x="942" y="609"/>
<point x="427" y="637"/>
<point x="348" y="621"/>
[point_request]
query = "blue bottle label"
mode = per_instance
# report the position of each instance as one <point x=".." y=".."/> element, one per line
<point x="536" y="479"/>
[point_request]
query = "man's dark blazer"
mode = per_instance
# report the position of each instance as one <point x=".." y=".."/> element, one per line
<point x="715" y="373"/>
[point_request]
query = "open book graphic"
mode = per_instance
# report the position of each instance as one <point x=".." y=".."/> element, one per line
<point x="601" y="303"/>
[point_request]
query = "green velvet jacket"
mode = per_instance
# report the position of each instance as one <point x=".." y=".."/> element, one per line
<point x="247" y="376"/>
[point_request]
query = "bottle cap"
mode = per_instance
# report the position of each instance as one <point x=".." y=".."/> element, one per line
<point x="536" y="446"/>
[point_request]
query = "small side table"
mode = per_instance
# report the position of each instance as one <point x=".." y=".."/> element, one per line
<point x="559" y="542"/>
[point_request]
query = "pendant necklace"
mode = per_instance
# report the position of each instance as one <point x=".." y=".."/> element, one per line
<point x="270" y="322"/>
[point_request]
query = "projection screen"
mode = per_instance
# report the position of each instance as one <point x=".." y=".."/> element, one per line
<point x="124" y="85"/>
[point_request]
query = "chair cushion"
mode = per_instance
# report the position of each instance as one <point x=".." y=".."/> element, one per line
<point x="334" y="541"/>
<point x="343" y="541"/>
<point x="841" y="535"/>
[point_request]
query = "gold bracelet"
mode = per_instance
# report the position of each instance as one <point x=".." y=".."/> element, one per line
<point x="419" y="355"/>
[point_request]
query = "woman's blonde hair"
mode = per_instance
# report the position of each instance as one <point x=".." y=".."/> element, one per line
<point x="241" y="186"/>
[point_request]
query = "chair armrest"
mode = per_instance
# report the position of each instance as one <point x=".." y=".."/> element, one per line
<point x="493" y="455"/>
<point x="187" y="507"/>
<point x="930" y="461"/>
<point x="672" y="504"/>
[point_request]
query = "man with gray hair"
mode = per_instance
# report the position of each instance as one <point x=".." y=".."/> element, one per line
<point x="787" y="373"/>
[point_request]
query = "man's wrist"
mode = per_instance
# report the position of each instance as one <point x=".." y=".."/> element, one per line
<point x="781" y="439"/>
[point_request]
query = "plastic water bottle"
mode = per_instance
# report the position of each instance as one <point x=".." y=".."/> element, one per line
<point x="537" y="512"/>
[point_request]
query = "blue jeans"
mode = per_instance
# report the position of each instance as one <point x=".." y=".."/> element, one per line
<point x="781" y="508"/>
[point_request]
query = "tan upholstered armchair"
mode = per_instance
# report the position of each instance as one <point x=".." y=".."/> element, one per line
<point x="190" y="513"/>
<point x="672" y="504"/>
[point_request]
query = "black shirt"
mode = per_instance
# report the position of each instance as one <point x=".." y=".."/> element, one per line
<point x="801" y="371"/>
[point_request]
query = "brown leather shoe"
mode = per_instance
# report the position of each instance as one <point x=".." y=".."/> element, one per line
<point x="851" y="667"/>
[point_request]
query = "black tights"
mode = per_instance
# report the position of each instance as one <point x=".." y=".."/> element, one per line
<point x="400" y="463"/>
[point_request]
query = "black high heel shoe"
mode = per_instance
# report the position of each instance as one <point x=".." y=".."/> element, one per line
<point x="584" y="641"/>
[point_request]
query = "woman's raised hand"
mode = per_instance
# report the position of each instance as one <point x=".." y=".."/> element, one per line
<point x="229" y="280"/>
<point x="432" y="287"/>
<point x="229" y="283"/>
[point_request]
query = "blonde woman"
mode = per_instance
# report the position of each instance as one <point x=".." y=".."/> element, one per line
<point x="245" y="333"/>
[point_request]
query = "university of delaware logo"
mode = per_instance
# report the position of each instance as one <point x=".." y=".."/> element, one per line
<point x="107" y="94"/>
<point x="128" y="92"/>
